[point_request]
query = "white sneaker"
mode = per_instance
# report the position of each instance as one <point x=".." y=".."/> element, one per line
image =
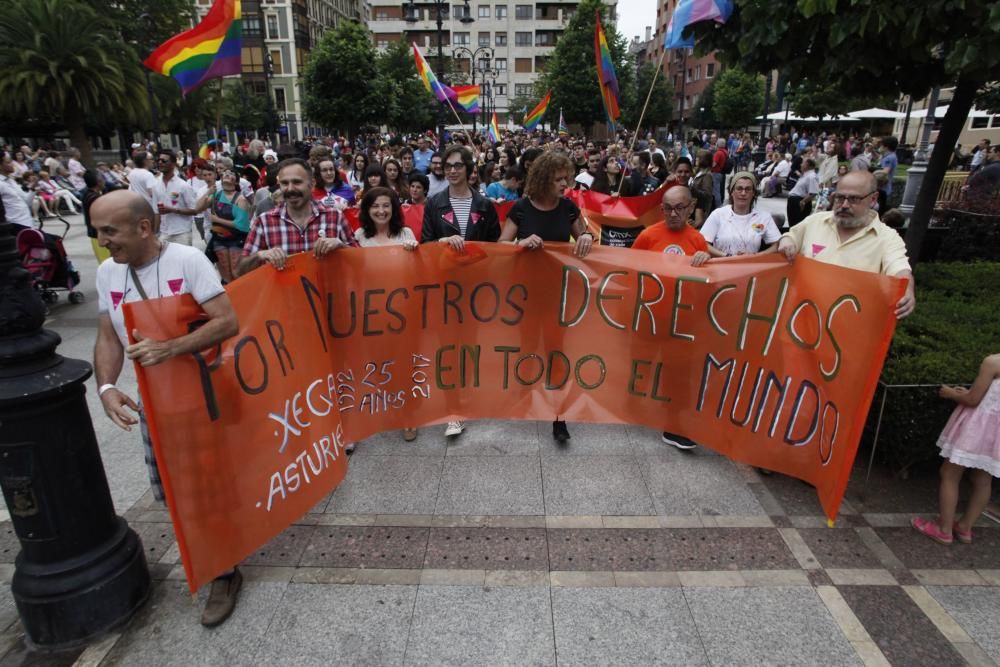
<point x="454" y="428"/>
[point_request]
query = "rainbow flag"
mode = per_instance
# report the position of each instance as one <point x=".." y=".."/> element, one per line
<point x="606" y="79"/>
<point x="689" y="12"/>
<point x="205" y="152"/>
<point x="210" y="50"/>
<point x="532" y="119"/>
<point x="467" y="97"/>
<point x="562" y="124"/>
<point x="493" y="131"/>
<point x="438" y="89"/>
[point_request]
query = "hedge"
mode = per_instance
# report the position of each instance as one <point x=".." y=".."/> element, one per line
<point x="955" y="325"/>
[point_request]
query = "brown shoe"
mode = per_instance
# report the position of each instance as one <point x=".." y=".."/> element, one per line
<point x="222" y="599"/>
<point x="409" y="434"/>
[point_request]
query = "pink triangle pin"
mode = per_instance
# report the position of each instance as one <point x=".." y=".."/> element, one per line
<point x="817" y="248"/>
<point x="116" y="299"/>
<point x="175" y="285"/>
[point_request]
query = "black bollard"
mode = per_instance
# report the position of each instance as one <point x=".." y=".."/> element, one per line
<point x="81" y="570"/>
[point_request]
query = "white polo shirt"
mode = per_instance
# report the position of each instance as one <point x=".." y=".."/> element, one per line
<point x="176" y="193"/>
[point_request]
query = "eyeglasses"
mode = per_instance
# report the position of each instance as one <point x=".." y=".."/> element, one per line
<point x="163" y="159"/>
<point x="679" y="209"/>
<point x="743" y="188"/>
<point x="853" y="200"/>
<point x="454" y="166"/>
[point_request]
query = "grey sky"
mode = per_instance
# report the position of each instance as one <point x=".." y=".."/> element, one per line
<point x="634" y="16"/>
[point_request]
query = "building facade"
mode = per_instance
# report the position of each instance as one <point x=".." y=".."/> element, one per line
<point x="277" y="38"/>
<point x="520" y="36"/>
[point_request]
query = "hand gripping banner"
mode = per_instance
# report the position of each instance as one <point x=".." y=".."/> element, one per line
<point x="769" y="363"/>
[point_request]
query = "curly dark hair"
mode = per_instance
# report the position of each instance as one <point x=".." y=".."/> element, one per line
<point x="541" y="179"/>
<point x="395" y="222"/>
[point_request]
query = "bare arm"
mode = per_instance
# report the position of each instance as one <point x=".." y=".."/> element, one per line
<point x="509" y="232"/>
<point x="971" y="397"/>
<point x="906" y="305"/>
<point x="222" y="324"/>
<point x="109" y="358"/>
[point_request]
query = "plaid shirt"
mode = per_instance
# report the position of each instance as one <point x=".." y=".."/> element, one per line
<point x="275" y="229"/>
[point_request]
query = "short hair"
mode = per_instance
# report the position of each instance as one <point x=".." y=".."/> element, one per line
<point x="405" y="150"/>
<point x="169" y="153"/>
<point x="808" y="163"/>
<point x="683" y="160"/>
<point x="139" y="159"/>
<point x="465" y="153"/>
<point x="643" y="158"/>
<point x="894" y="218"/>
<point x="513" y="171"/>
<point x="592" y="152"/>
<point x="890" y="142"/>
<point x="293" y="162"/>
<point x="418" y="177"/>
<point x="704" y="159"/>
<point x="364" y="215"/>
<point x="542" y="174"/>
<point x="90" y="178"/>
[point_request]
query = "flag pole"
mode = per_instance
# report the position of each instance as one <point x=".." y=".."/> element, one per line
<point x="218" y="120"/>
<point x="472" y="145"/>
<point x="656" y="73"/>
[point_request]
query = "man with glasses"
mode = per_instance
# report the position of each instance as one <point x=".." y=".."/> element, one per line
<point x="436" y="176"/>
<point x="459" y="214"/>
<point x="175" y="201"/>
<point x="852" y="235"/>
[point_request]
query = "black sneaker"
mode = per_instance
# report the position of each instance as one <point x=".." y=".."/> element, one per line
<point x="678" y="441"/>
<point x="559" y="431"/>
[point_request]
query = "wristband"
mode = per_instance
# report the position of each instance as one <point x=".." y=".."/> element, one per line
<point x="590" y="234"/>
<point x="105" y="387"/>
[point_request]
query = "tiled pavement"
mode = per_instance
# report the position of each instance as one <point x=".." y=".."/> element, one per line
<point x="503" y="548"/>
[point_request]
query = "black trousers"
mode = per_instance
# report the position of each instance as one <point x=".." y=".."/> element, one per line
<point x="795" y="211"/>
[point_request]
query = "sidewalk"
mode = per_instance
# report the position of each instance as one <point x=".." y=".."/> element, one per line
<point x="503" y="548"/>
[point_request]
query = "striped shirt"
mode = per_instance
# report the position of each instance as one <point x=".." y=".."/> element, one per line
<point x="462" y="206"/>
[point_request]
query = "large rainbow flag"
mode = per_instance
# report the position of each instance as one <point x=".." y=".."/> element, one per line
<point x="689" y="12"/>
<point x="467" y="97"/>
<point x="494" y="129"/>
<point x="606" y="79"/>
<point x="532" y="119"/>
<point x="439" y="90"/>
<point x="210" y="50"/>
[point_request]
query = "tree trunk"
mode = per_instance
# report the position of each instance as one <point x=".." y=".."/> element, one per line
<point x="78" y="139"/>
<point x="951" y="128"/>
<point x="189" y="140"/>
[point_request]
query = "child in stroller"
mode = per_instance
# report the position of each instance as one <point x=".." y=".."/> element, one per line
<point x="44" y="257"/>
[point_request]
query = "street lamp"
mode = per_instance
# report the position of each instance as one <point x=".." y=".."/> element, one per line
<point x="441" y="8"/>
<point x="480" y="60"/>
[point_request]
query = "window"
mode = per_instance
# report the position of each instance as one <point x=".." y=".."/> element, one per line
<point x="697" y="72"/>
<point x="545" y="39"/>
<point x="251" y="26"/>
<point x="501" y="11"/>
<point x="501" y="64"/>
<point x="500" y="90"/>
<point x="522" y="90"/>
<point x="462" y="11"/>
<point x="522" y="65"/>
<point x="382" y="41"/>
<point x="276" y="62"/>
<point x="501" y="39"/>
<point x="523" y="12"/>
<point x="279" y="99"/>
<point x="522" y="39"/>
<point x="484" y="39"/>
<point x="709" y="70"/>
<point x="484" y="11"/>
<point x="460" y="38"/>
<point x="272" y="26"/>
<point x="251" y="61"/>
<point x="690" y="73"/>
<point x="980" y="122"/>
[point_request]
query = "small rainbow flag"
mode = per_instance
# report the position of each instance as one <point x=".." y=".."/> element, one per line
<point x="563" y="130"/>
<point x="210" y="50"/>
<point x="205" y="152"/>
<point x="467" y="97"/>
<point x="438" y="89"/>
<point x="606" y="79"/>
<point x="494" y="129"/>
<point x="532" y="119"/>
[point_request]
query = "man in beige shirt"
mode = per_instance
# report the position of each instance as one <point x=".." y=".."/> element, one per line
<point x="852" y="235"/>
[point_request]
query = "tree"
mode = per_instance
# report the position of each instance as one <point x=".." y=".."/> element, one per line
<point x="59" y="59"/>
<point x="571" y="71"/>
<point x="738" y="97"/>
<point x="341" y="85"/>
<point x="185" y="115"/>
<point x="704" y="116"/>
<point x="872" y="46"/>
<point x="660" y="102"/>
<point x="813" y="98"/>
<point x="246" y="112"/>
<point x="408" y="106"/>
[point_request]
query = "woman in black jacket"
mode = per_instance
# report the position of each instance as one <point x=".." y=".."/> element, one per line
<point x="459" y="213"/>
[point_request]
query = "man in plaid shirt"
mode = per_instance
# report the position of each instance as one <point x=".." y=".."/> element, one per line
<point x="297" y="225"/>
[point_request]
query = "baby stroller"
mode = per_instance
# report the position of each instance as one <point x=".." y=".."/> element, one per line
<point x="44" y="257"/>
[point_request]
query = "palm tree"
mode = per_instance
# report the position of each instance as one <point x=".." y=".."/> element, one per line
<point x="59" y="59"/>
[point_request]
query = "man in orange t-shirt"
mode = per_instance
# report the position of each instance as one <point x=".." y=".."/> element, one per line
<point x="675" y="236"/>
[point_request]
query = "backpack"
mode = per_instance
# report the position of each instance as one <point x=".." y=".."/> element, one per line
<point x="730" y="163"/>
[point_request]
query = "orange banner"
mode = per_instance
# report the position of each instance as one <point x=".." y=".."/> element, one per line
<point x="772" y="364"/>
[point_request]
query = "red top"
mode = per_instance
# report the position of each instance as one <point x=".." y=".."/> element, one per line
<point x="661" y="238"/>
<point x="719" y="160"/>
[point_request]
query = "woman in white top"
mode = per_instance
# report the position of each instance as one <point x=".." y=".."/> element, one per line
<point x="738" y="229"/>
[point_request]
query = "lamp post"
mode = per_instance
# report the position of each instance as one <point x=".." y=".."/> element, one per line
<point x="154" y="112"/>
<point x="440" y="9"/>
<point x="480" y="60"/>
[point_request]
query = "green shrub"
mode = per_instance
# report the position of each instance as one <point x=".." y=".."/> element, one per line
<point x="955" y="325"/>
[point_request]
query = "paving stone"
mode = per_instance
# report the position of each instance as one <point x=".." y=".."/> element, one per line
<point x="795" y="496"/>
<point x="388" y="485"/>
<point x="606" y="549"/>
<point x="10" y="546"/>
<point x="366" y="547"/>
<point x="504" y="625"/>
<point x="487" y="548"/>
<point x="156" y="539"/>
<point x="341" y="623"/>
<point x="888" y="492"/>
<point x="586" y="440"/>
<point x="707" y="485"/>
<point x="918" y="552"/>
<point x="285" y="549"/>
<point x="430" y="443"/>
<point x="492" y="437"/>
<point x="976" y="609"/>
<point x="839" y="548"/>
<point x="624" y="626"/>
<point x="897" y="625"/>
<point x="819" y="577"/>
<point x="490" y="485"/>
<point x="772" y="626"/>
<point x="595" y="485"/>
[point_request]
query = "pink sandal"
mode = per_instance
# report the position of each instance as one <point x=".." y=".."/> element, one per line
<point x="963" y="536"/>
<point x="931" y="530"/>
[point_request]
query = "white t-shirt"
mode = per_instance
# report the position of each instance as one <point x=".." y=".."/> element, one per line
<point x="142" y="181"/>
<point x="365" y="242"/>
<point x="179" y="269"/>
<point x="175" y="194"/>
<point x="783" y="169"/>
<point x="585" y="179"/>
<point x="739" y="234"/>
<point x="15" y="203"/>
<point x="808" y="184"/>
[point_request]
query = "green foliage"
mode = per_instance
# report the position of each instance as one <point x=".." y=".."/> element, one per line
<point x="703" y="116"/>
<point x="945" y="339"/>
<point x="820" y="99"/>
<point x="660" y="102"/>
<point x="571" y="72"/>
<point x="145" y="24"/>
<point x="988" y="97"/>
<point x="738" y="97"/>
<point x="244" y="111"/>
<point x="407" y="104"/>
<point x="60" y="60"/>
<point x="185" y="115"/>
<point x="341" y="84"/>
